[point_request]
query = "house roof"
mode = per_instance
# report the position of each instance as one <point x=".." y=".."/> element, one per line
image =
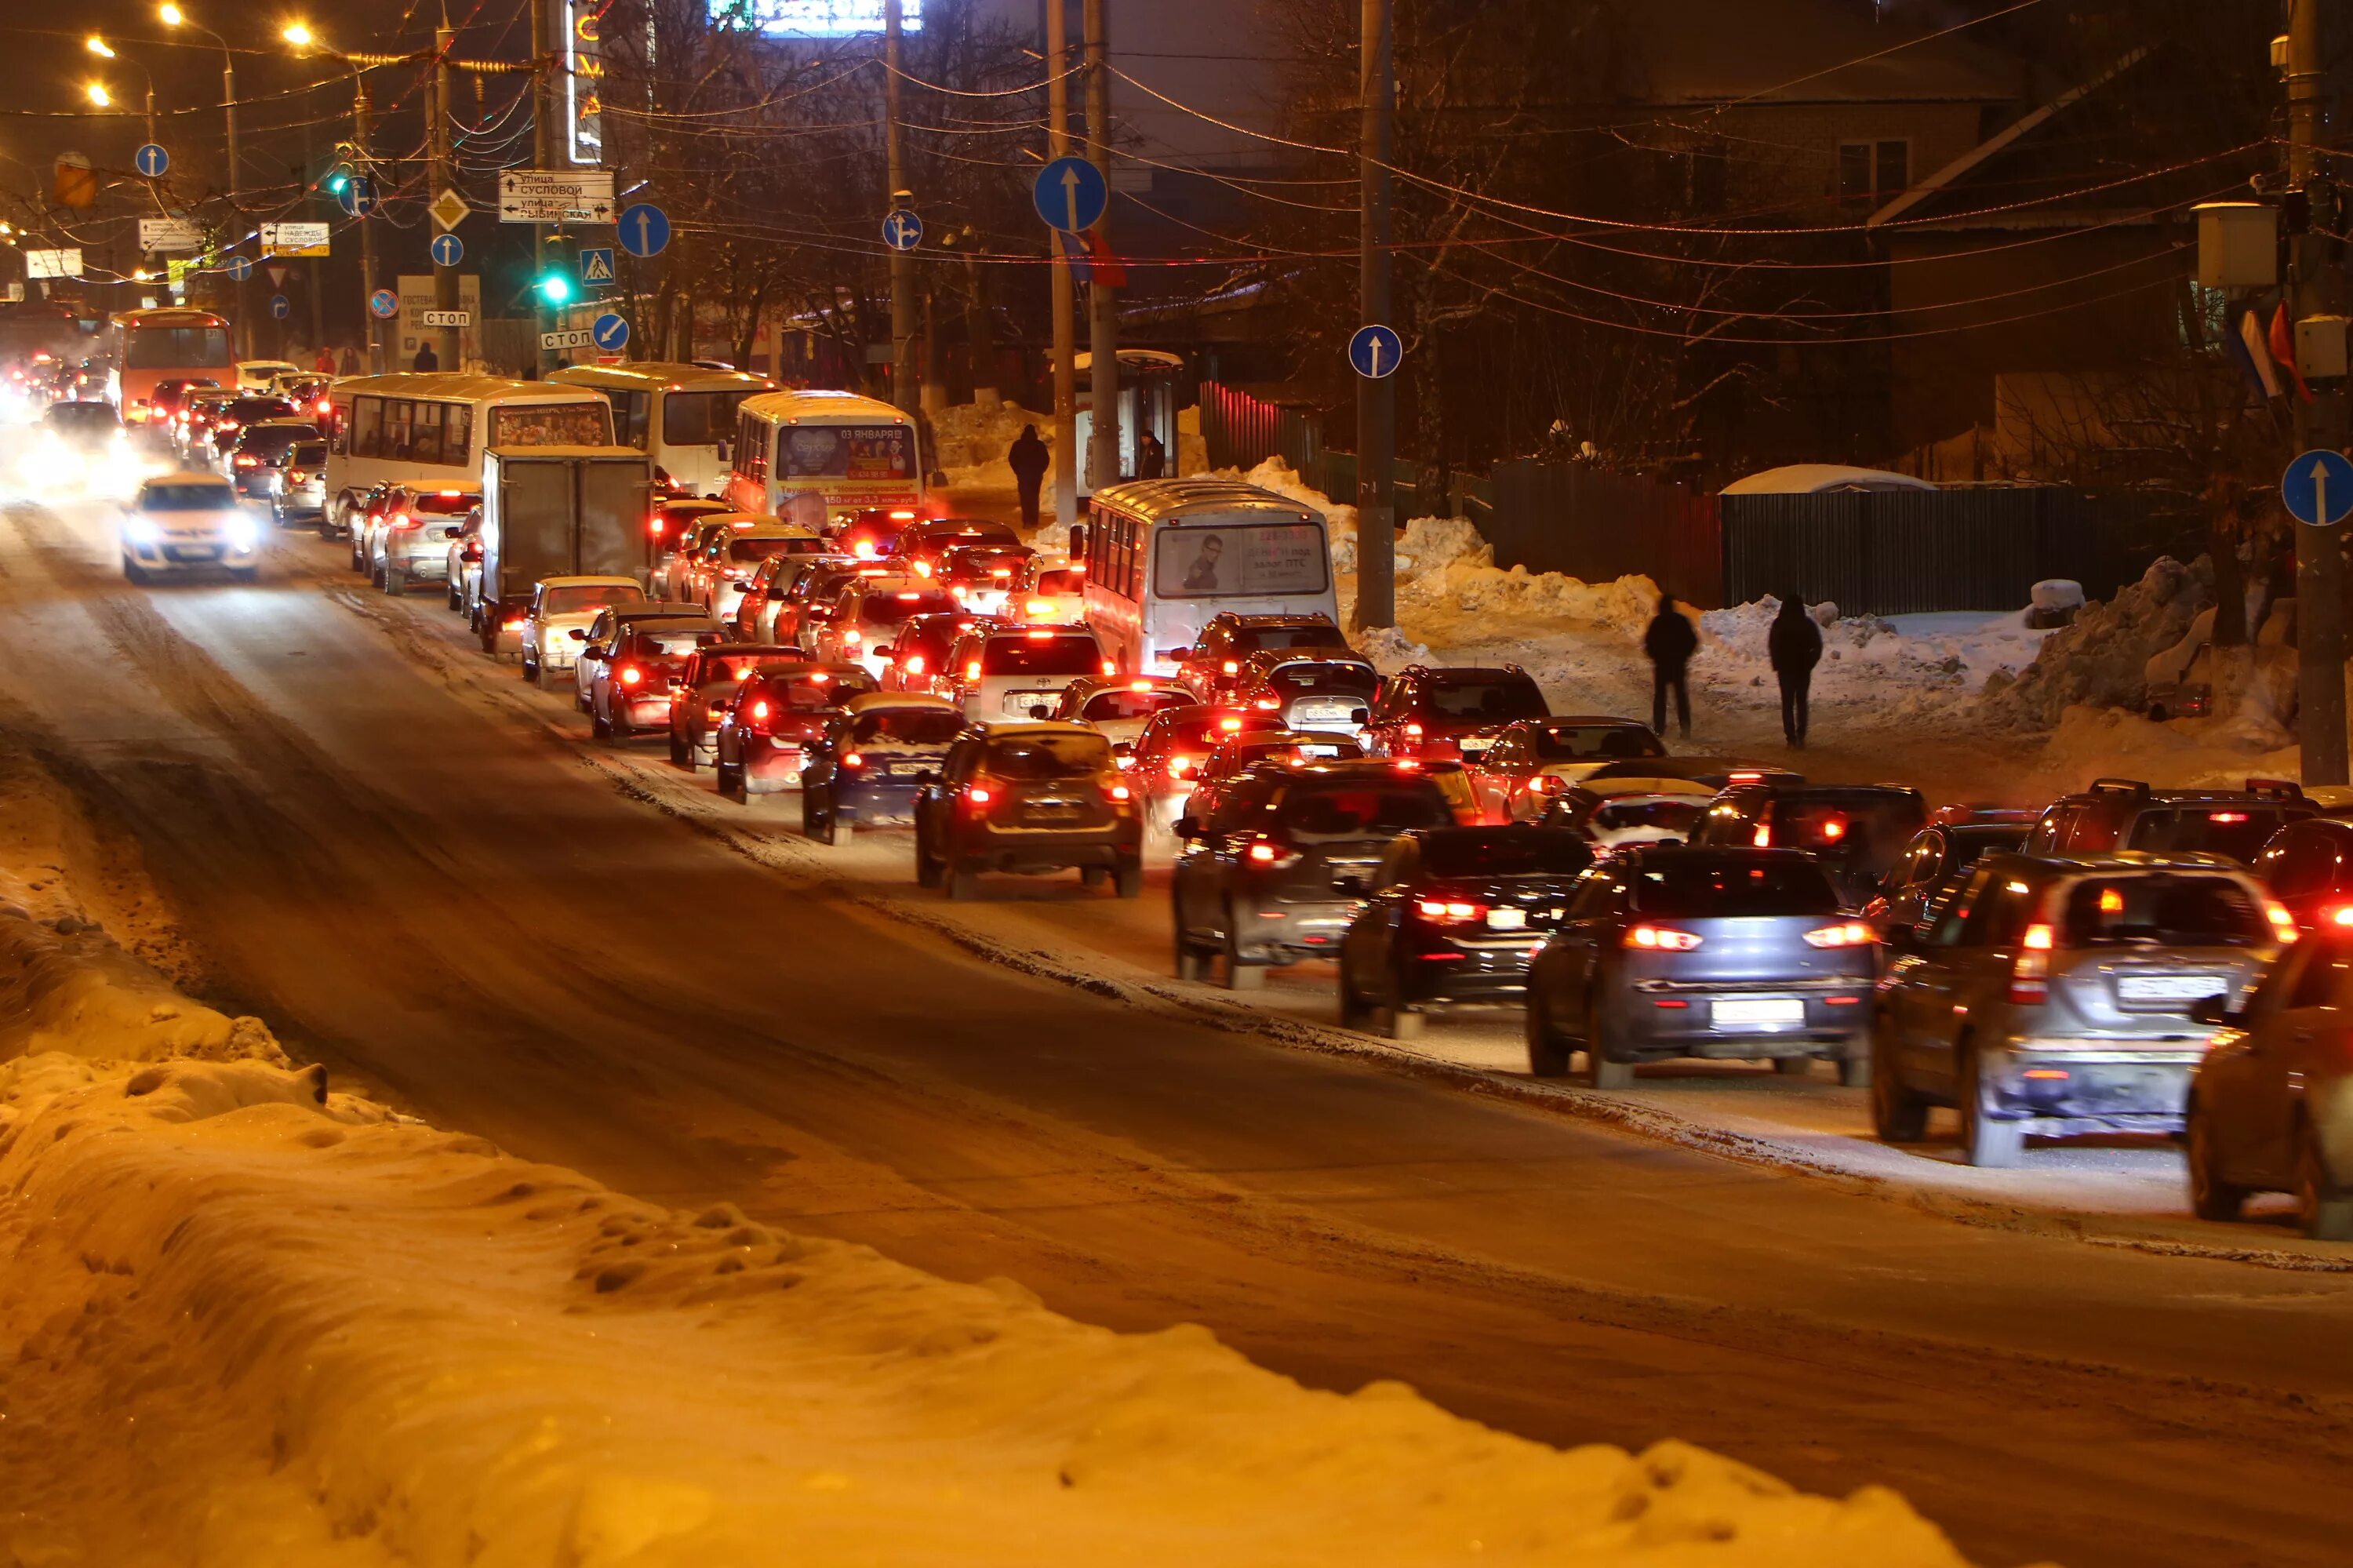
<point x="1803" y="51"/>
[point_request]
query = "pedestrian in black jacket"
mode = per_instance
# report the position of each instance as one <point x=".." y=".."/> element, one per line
<point x="1029" y="459"/>
<point x="1670" y="642"/>
<point x="1795" y="646"/>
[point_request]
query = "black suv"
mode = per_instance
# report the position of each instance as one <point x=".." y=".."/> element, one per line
<point x="2308" y="865"/>
<point x="1275" y="874"/>
<point x="1857" y="831"/>
<point x="1427" y="712"/>
<point x="2126" y="814"/>
<point x="1028" y="797"/>
<point x="1213" y="665"/>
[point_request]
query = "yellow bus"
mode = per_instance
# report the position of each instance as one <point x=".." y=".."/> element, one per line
<point x="679" y="414"/>
<point x="821" y="457"/>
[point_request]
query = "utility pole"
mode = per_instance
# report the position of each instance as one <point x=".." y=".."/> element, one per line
<point x="1065" y="302"/>
<point x="1376" y="395"/>
<point x="905" y="386"/>
<point x="542" y="157"/>
<point x="451" y="350"/>
<point x="245" y="287"/>
<point x="1103" y="326"/>
<point x="363" y="165"/>
<point x="316" y="272"/>
<point x="2319" y="551"/>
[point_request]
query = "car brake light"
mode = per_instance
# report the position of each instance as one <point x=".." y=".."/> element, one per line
<point x="922" y="568"/>
<point x="1850" y="934"/>
<point x="1039" y="607"/>
<point x="2030" y="975"/>
<point x="1547" y="784"/>
<point x="759" y="710"/>
<point x="1661" y="939"/>
<point x="1763" y="837"/>
<point x="2226" y="816"/>
<point x="1110" y="668"/>
<point x="956" y="589"/>
<point x="1180" y="764"/>
<point x="1414" y="730"/>
<point x="1265" y="854"/>
<point x="909" y="597"/>
<point x="401" y="520"/>
<point x="1045" y="636"/>
<point x="1233" y="667"/>
<point x="1119" y="792"/>
<point x="1834" y="828"/>
<point x="2283" y="922"/>
<point x="914" y="664"/>
<point x="978" y="795"/>
<point x="655" y="525"/>
<point x="1230" y="726"/>
<point x="864" y="549"/>
<point x="852" y="760"/>
<point x="972" y="671"/>
<point x="1450" y="913"/>
<point x="903" y="517"/>
<point x="247" y="460"/>
<point x="1000" y="571"/>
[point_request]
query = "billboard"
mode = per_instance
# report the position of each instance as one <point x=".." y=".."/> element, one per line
<point x="816" y="18"/>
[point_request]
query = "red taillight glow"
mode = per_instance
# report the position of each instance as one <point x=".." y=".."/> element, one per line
<point x="631" y="675"/>
<point x="2030" y="981"/>
<point x="1109" y="668"/>
<point x="1119" y="792"/>
<point x="1230" y="726"/>
<point x="1834" y="828"/>
<point x="1449" y="913"/>
<point x="1045" y="636"/>
<point x="2283" y="922"/>
<point x="2038" y="938"/>
<point x="978" y="796"/>
<point x="864" y="549"/>
<point x="1414" y="730"/>
<point x="1662" y="939"/>
<point x="914" y="664"/>
<point x="759" y="710"/>
<point x="1264" y="854"/>
<point x="972" y="671"/>
<point x="400" y="520"/>
<point x="1233" y="667"/>
<point x="2226" y="816"/>
<point x="1850" y="934"/>
<point x="1039" y="607"/>
<point x="1763" y="837"/>
<point x="1179" y="765"/>
<point x="852" y="760"/>
<point x="245" y="459"/>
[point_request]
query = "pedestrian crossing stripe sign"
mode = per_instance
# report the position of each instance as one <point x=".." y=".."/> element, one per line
<point x="595" y="266"/>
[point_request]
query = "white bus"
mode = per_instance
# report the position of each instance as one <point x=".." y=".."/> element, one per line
<point x="1165" y="554"/>
<point x="432" y="426"/>
<point x="677" y="415"/>
<point x="818" y="458"/>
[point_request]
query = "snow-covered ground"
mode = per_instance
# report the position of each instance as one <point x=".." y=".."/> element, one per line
<point x="250" y="1319"/>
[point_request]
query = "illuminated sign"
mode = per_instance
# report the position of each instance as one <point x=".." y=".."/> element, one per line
<point x="819" y="18"/>
<point x="584" y="80"/>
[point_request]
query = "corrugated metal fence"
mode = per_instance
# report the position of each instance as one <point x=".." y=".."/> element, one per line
<point x="1242" y="432"/>
<point x="1562" y="518"/>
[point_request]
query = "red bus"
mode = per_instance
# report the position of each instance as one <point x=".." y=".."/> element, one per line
<point x="162" y="344"/>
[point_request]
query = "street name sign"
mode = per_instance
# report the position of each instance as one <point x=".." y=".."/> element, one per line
<point x="551" y="195"/>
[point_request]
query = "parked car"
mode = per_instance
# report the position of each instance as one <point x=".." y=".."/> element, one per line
<point x="299" y="490"/>
<point x="1615" y="813"/>
<point x="2309" y="866"/>
<point x="1935" y="855"/>
<point x="1001" y="672"/>
<point x="867" y="766"/>
<point x="1856" y="830"/>
<point x="706" y="684"/>
<point x="769" y="728"/>
<point x="865" y="618"/>
<point x="1275" y="874"/>
<point x="1309" y="690"/>
<point x="629" y="684"/>
<point x="2271" y="1098"/>
<point x="2125" y="813"/>
<point x="2056" y="994"/>
<point x="1212" y="667"/>
<point x="408" y="540"/>
<point x="1524" y="764"/>
<point x="563" y="612"/>
<point x="1028" y="797"/>
<point x="1720" y="953"/>
<point x="1451" y="711"/>
<point x="1452" y="917"/>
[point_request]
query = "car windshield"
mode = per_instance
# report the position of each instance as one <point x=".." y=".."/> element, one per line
<point x="1705" y="888"/>
<point x="1045" y="755"/>
<point x="1059" y="654"/>
<point x="822" y="688"/>
<point x="1571" y="742"/>
<point x="1510" y="852"/>
<point x="185" y="497"/>
<point x="901" y="605"/>
<point x="573" y="598"/>
<point x="1111" y="707"/>
<point x="2237" y="831"/>
<point x="309" y="454"/>
<point x="761" y="549"/>
<point x="1362" y="809"/>
<point x="2165" y="910"/>
<point x="1491" y="697"/>
<point x="896" y="730"/>
<point x="1324" y="676"/>
<point x="82" y="419"/>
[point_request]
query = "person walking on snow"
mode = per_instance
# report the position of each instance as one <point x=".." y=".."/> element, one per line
<point x="1029" y="460"/>
<point x="1795" y="647"/>
<point x="1670" y="642"/>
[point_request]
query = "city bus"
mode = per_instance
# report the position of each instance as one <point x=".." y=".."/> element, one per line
<point x="677" y="415"/>
<point x="820" y="458"/>
<point x="431" y="428"/>
<point x="1165" y="554"/>
<point x="170" y="343"/>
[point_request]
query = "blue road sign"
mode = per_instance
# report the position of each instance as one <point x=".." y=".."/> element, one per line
<point x="2318" y="487"/>
<point x="152" y="160"/>
<point x="280" y="306"/>
<point x="644" y="230"/>
<point x="610" y="331"/>
<point x="596" y="266"/>
<point x="1071" y="195"/>
<point x="385" y="303"/>
<point x="903" y="230"/>
<point x="1376" y="351"/>
<point x="238" y="268"/>
<point x="358" y="196"/>
<point x="448" y="249"/>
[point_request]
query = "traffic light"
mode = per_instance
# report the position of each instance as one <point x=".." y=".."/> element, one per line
<point x="554" y="288"/>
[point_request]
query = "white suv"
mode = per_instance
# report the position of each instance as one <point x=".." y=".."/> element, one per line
<point x="1000" y="673"/>
<point x="188" y="522"/>
<point x="561" y="606"/>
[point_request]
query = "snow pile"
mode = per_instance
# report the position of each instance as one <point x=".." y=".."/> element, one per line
<point x="1742" y="629"/>
<point x="967" y="436"/>
<point x="2102" y="659"/>
<point x="2106" y="742"/>
<point x="1389" y="649"/>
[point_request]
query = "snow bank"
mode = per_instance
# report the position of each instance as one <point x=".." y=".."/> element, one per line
<point x="965" y="435"/>
<point x="2091" y="742"/>
<point x="2102" y="659"/>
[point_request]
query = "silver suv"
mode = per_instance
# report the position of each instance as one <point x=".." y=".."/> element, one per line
<point x="2060" y="995"/>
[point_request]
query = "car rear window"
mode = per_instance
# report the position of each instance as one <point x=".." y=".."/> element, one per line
<point x="744" y="666"/>
<point x="2237" y="831"/>
<point x="1700" y="889"/>
<point x="443" y="503"/>
<point x="1677" y="817"/>
<point x="1494" y="698"/>
<point x="967" y="565"/>
<point x="275" y="438"/>
<point x="1060" y="754"/>
<point x="821" y="688"/>
<point x="245" y="410"/>
<point x="1110" y="707"/>
<point x="1324" y="676"/>
<point x="185" y="497"/>
<point x="894" y="608"/>
<point x="1874" y="826"/>
<point x="1057" y="654"/>
<point x="82" y="419"/>
<point x="1565" y="743"/>
<point x="1062" y="580"/>
<point x="906" y="728"/>
<point x="761" y="549"/>
<point x="1362" y="809"/>
<point x="2163" y="910"/>
<point x="309" y="454"/>
<point x="571" y="599"/>
<point x="1281" y="638"/>
<point x="1513" y="852"/>
<point x="669" y="643"/>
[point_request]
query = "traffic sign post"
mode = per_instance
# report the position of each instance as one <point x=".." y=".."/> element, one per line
<point x="2318" y="487"/>
<point x="280" y="306"/>
<point x="609" y="331"/>
<point x="357" y="197"/>
<point x="238" y="268"/>
<point x="644" y="230"/>
<point x="1071" y="195"/>
<point x="450" y="209"/>
<point x="570" y="337"/>
<point x="1376" y="351"/>
<point x="554" y="196"/>
<point x="448" y="249"/>
<point x="445" y="317"/>
<point x="903" y="230"/>
<point x="383" y="305"/>
<point x="162" y="234"/>
<point x="294" y="239"/>
<point x="152" y="160"/>
<point x="596" y="266"/>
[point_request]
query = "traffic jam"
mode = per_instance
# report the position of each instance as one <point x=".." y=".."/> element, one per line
<point x="1174" y="689"/>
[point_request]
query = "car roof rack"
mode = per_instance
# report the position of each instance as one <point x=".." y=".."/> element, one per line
<point x="2275" y="789"/>
<point x="2136" y="788"/>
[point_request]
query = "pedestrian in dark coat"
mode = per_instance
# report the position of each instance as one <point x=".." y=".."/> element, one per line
<point x="1670" y="642"/>
<point x="1151" y="457"/>
<point x="1795" y="646"/>
<point x="1029" y="460"/>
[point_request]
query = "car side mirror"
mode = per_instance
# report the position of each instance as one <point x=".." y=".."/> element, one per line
<point x="1176" y="655"/>
<point x="1122" y="748"/>
<point x="1360" y="717"/>
<point x="578" y="635"/>
<point x="1187" y="828"/>
<point x="2216" y="1010"/>
<point x="1041" y="711"/>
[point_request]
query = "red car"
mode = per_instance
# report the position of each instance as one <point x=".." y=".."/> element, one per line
<point x="1423" y="711"/>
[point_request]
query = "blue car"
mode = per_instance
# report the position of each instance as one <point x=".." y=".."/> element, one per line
<point x="864" y="768"/>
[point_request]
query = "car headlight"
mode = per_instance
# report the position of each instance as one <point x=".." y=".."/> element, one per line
<point x="141" y="532"/>
<point x="243" y="538"/>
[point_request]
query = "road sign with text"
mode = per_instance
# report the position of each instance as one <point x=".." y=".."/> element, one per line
<point x="160" y="234"/>
<point x="294" y="239"/>
<point x="446" y="318"/>
<point x="548" y="195"/>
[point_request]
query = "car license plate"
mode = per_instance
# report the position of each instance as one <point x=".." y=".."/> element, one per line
<point x="1507" y="919"/>
<point x="1019" y="704"/>
<point x="1749" y="1012"/>
<point x="1051" y="816"/>
<point x="1313" y="750"/>
<point x="2170" y="988"/>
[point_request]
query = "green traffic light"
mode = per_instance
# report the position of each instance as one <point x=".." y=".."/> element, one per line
<point x="556" y="288"/>
<point x="336" y="182"/>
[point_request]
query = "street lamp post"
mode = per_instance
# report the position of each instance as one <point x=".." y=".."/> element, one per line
<point x="105" y="51"/>
<point x="173" y="17"/>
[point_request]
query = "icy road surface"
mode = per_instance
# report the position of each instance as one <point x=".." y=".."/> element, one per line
<point x="415" y="868"/>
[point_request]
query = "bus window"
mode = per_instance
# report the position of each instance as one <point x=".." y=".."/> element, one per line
<point x="628" y="415"/>
<point x="457" y="436"/>
<point x="169" y="349"/>
<point x="581" y="424"/>
<point x="697" y="419"/>
<point x="425" y="437"/>
<point x="367" y="427"/>
<point x="398" y="413"/>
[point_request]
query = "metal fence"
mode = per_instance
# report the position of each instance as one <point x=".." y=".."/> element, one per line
<point x="1561" y="517"/>
<point x="1242" y="432"/>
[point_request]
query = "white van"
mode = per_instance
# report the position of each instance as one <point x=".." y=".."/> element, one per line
<point x="1163" y="555"/>
<point x="431" y="429"/>
<point x="817" y="459"/>
<point x="680" y="416"/>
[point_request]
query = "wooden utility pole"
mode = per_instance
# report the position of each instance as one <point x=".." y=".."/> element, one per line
<point x="1065" y="302"/>
<point x="905" y="383"/>
<point x="363" y="167"/>
<point x="1376" y="395"/>
<point x="1102" y="325"/>
<point x="2319" y="551"/>
<point x="450" y="350"/>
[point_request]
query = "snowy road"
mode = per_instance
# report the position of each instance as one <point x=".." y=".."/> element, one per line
<point x="416" y="870"/>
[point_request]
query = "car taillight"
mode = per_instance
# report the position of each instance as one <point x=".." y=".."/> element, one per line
<point x="1233" y="667"/>
<point x="2030" y="975"/>
<point x="978" y="795"/>
<point x="852" y="760"/>
<point x="472" y="552"/>
<point x="760" y="711"/>
<point x="1110" y="668"/>
<point x="1447" y="912"/>
<point x="1118" y="792"/>
<point x="655" y="525"/>
<point x="853" y="636"/>
<point x="864" y="550"/>
<point x="1661" y="939"/>
<point x="1547" y="784"/>
<point x="1039" y="607"/>
<point x="1268" y="855"/>
<point x="1179" y="765"/>
<point x="2283" y="922"/>
<point x="631" y="675"/>
<point x="1763" y="837"/>
<point x="401" y="520"/>
<point x="245" y="460"/>
<point x="972" y="671"/>
<point x="1834" y="828"/>
<point x="2226" y="816"/>
<point x="914" y="664"/>
<point x="1850" y="934"/>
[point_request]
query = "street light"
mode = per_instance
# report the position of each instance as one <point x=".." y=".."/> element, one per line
<point x="105" y="51"/>
<point x="99" y="95"/>
<point x="300" y="37"/>
<point x="170" y="15"/>
<point x="97" y="47"/>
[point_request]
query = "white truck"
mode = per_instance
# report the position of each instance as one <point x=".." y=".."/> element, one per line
<point x="557" y="512"/>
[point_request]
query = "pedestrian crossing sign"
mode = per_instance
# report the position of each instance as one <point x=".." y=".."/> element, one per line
<point x="596" y="267"/>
